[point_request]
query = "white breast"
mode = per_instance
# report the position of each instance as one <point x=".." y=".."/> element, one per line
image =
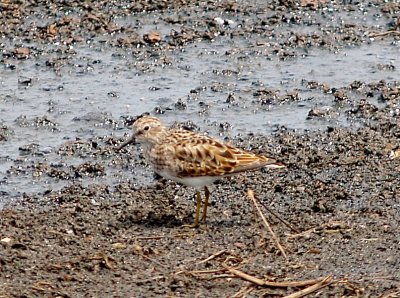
<point x="189" y="181"/>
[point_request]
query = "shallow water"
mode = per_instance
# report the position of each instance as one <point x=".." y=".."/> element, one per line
<point x="87" y="97"/>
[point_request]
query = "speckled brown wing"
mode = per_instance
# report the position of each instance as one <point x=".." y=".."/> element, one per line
<point x="199" y="155"/>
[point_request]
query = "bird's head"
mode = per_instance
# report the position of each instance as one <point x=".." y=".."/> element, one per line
<point x="146" y="130"/>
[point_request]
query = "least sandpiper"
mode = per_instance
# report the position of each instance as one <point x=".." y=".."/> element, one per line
<point x="192" y="159"/>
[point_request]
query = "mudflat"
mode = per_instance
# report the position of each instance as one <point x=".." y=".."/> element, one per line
<point x="79" y="219"/>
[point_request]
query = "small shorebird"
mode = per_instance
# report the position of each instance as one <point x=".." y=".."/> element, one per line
<point x="190" y="158"/>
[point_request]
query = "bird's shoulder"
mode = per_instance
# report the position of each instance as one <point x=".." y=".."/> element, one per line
<point x="198" y="145"/>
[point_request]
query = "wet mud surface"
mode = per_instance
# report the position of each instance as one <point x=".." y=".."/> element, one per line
<point x="314" y="84"/>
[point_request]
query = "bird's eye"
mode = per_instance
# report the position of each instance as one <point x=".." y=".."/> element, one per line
<point x="146" y="128"/>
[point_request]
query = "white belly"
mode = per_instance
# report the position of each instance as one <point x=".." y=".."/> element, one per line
<point x="190" y="181"/>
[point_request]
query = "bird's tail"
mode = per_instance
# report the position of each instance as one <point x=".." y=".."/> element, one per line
<point x="273" y="164"/>
<point x="277" y="165"/>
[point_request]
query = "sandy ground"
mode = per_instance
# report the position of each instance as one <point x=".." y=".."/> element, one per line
<point x="339" y="192"/>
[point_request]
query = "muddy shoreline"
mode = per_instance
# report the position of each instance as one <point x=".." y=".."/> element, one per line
<point x="79" y="219"/>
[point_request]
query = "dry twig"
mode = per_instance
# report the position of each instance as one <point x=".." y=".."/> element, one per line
<point x="244" y="291"/>
<point x="157" y="237"/>
<point x="284" y="221"/>
<point x="194" y="272"/>
<point x="323" y="283"/>
<point x="379" y="34"/>
<point x="281" y="284"/>
<point x="250" y="194"/>
<point x="245" y="276"/>
<point x="217" y="254"/>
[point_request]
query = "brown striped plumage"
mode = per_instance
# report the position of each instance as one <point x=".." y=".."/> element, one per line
<point x="190" y="158"/>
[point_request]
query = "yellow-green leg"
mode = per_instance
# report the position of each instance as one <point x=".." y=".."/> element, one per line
<point x="198" y="206"/>
<point x="207" y="195"/>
